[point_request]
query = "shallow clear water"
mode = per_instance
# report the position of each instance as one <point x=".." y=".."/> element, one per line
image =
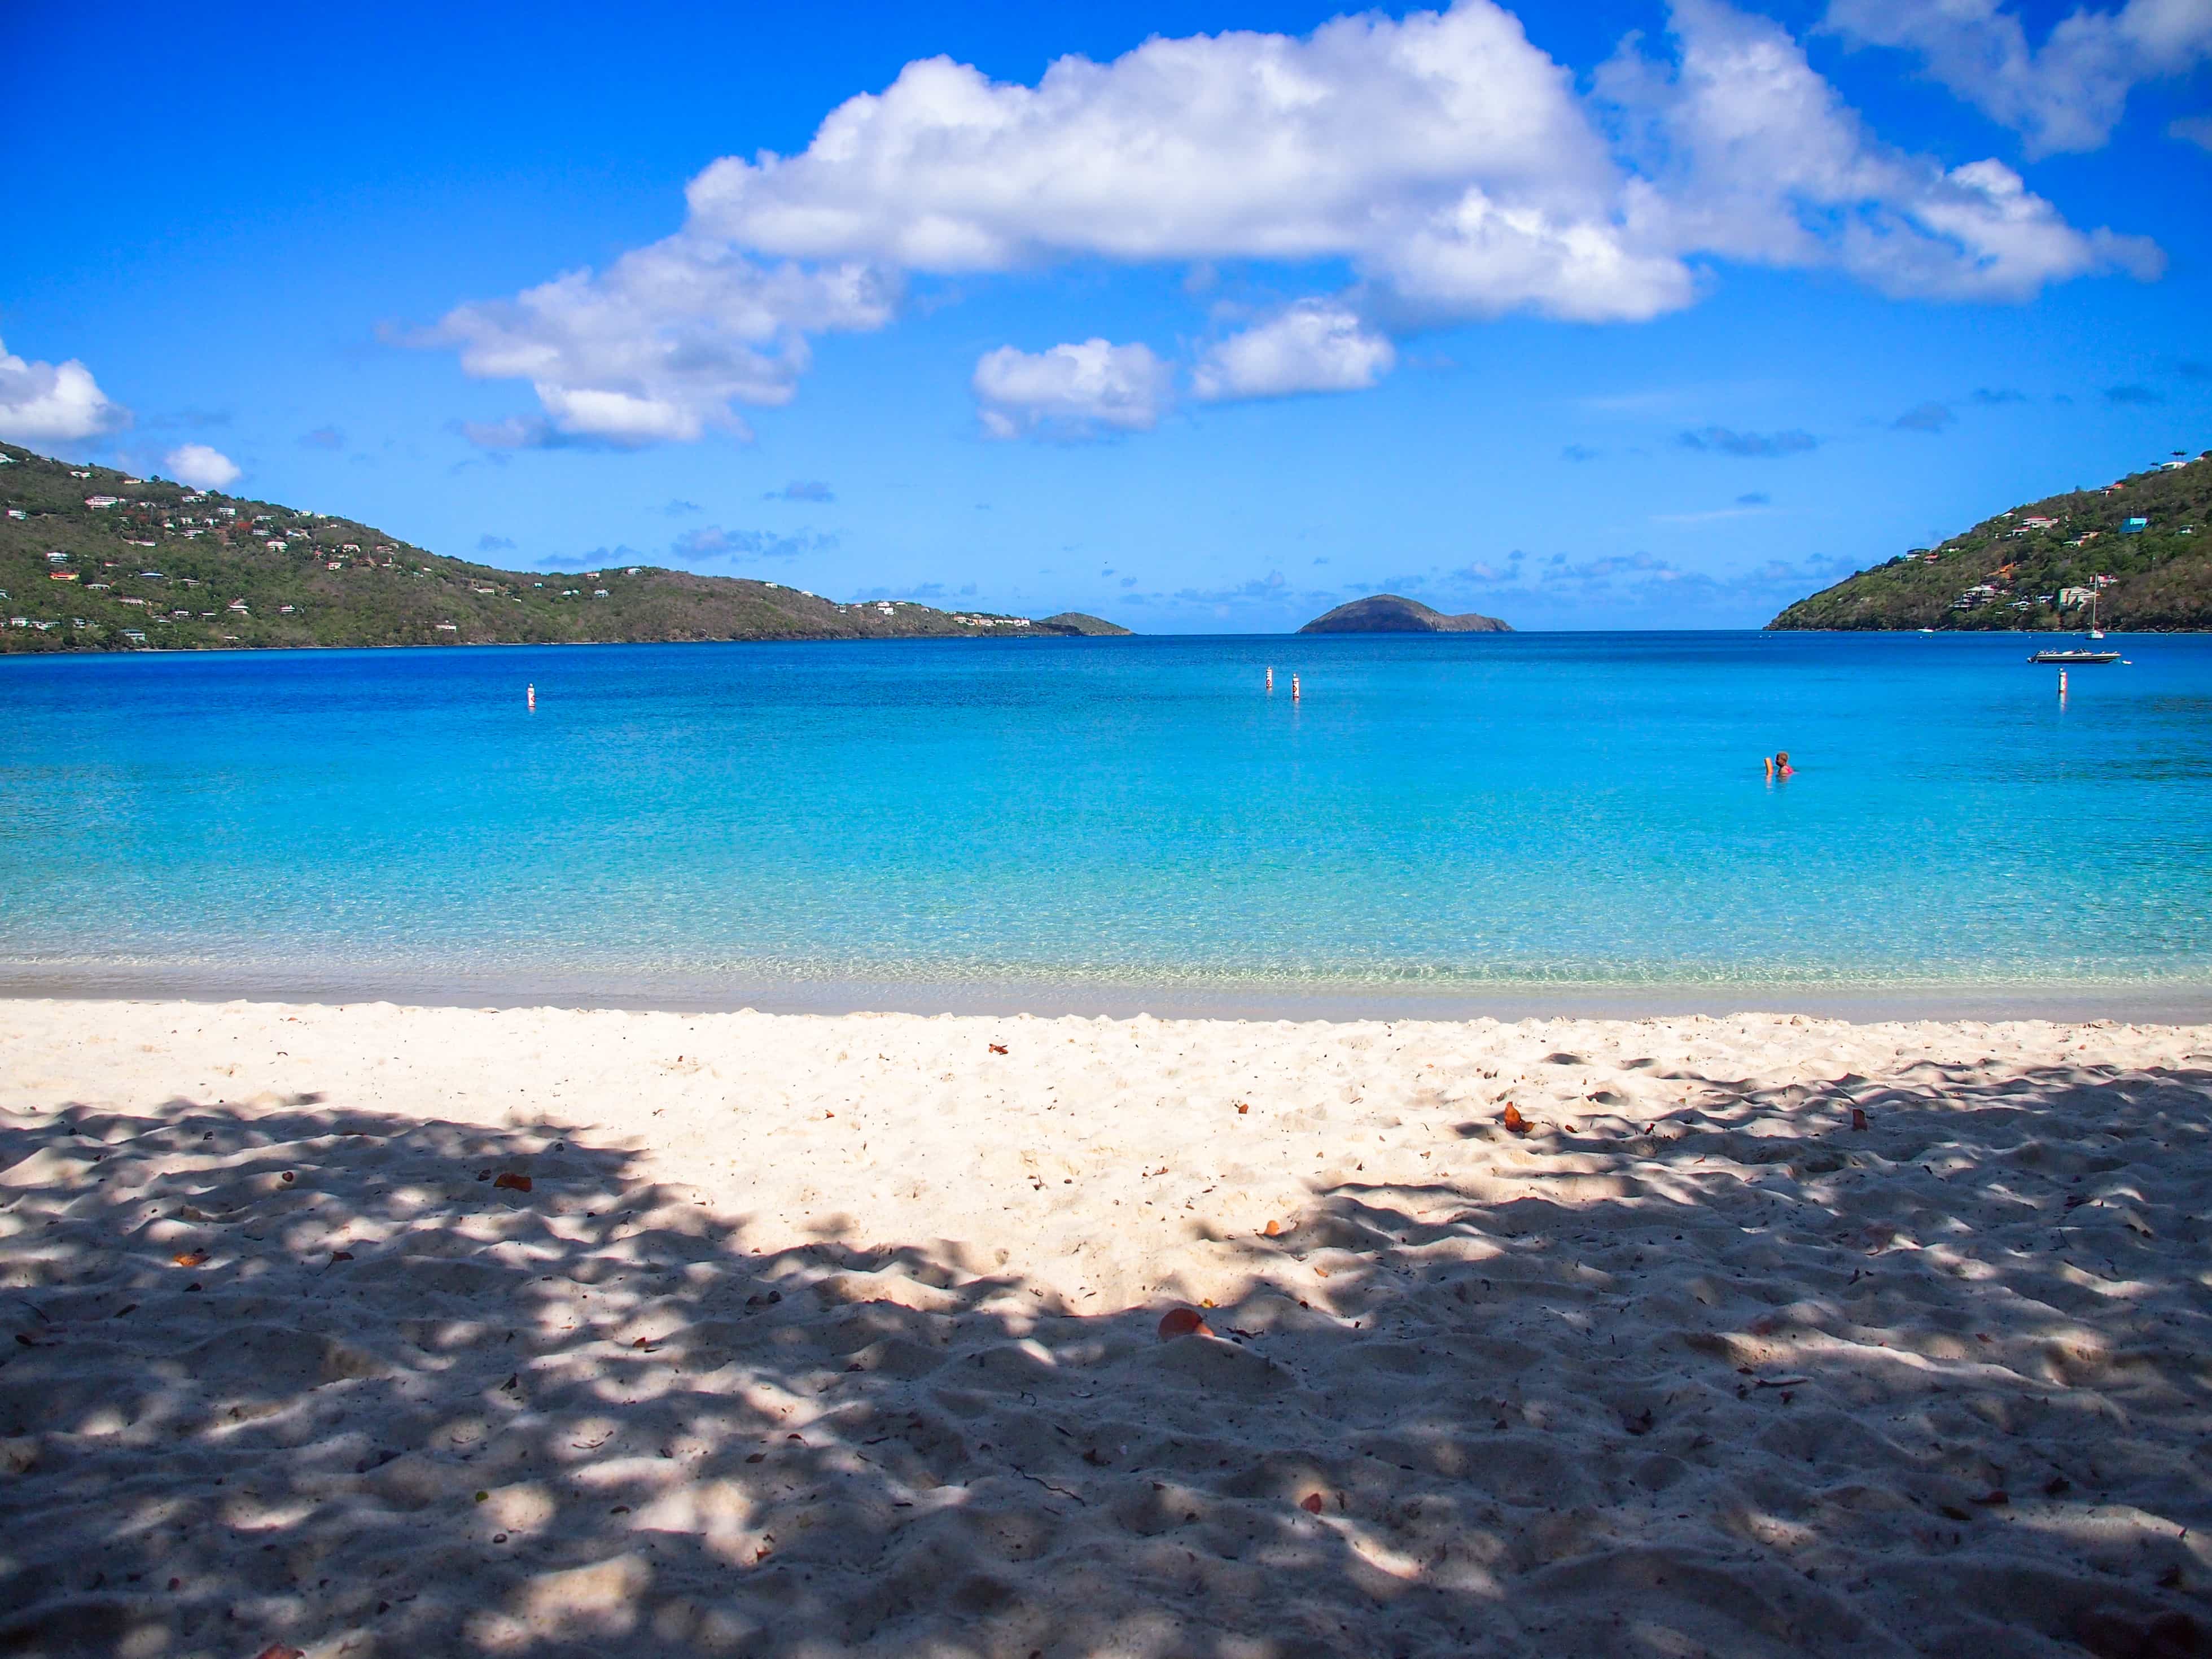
<point x="1437" y="813"/>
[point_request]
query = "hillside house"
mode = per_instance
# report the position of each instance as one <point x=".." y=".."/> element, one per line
<point x="2071" y="598"/>
<point x="103" y="502"/>
<point x="238" y="608"/>
<point x="136" y="635"/>
<point x="2135" y="526"/>
<point x="600" y="593"/>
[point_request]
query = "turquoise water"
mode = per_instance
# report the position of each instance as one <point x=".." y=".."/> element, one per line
<point x="1438" y="815"/>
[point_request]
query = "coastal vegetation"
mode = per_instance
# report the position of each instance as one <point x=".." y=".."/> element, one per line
<point x="2136" y="553"/>
<point x="92" y="559"/>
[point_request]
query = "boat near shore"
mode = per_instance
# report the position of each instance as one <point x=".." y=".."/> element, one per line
<point x="2064" y="658"/>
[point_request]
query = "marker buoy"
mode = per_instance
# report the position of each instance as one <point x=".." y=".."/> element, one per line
<point x="2061" y="684"/>
<point x="529" y="696"/>
<point x="1271" y="679"/>
<point x="1294" y="687"/>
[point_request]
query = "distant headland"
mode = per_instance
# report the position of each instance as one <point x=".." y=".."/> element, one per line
<point x="92" y="559"/>
<point x="2134" y="554"/>
<point x="1388" y="613"/>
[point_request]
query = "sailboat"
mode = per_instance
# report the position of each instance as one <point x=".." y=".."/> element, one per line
<point x="2095" y="632"/>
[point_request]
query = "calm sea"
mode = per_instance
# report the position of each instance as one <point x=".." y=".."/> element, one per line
<point x="1507" y="822"/>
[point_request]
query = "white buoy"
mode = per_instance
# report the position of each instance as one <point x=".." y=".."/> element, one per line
<point x="529" y="696"/>
<point x="1270" y="680"/>
<point x="2061" y="685"/>
<point x="1294" y="687"/>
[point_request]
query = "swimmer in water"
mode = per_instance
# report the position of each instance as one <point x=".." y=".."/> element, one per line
<point x="1778" y="766"/>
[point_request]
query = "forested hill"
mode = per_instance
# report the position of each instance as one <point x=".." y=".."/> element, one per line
<point x="2144" y="546"/>
<point x="92" y="559"/>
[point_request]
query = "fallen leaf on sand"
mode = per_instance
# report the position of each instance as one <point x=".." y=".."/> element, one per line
<point x="1310" y="1502"/>
<point x="1322" y="1272"/>
<point x="189" y="1258"/>
<point x="1514" y="1122"/>
<point x="1274" y="1229"/>
<point x="1181" y="1321"/>
<point x="1241" y="1109"/>
<point x="1858" y="1117"/>
<point x="513" y="1182"/>
<point x="997" y="1048"/>
<point x="1784" y="1382"/>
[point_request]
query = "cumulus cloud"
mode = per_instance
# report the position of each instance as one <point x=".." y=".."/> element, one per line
<point x="53" y="402"/>
<point x="1926" y="418"/>
<point x="2066" y="94"/>
<point x="661" y="344"/>
<point x="1452" y="166"/>
<point x="1314" y="345"/>
<point x="1747" y="153"/>
<point x="1764" y="446"/>
<point x="713" y="542"/>
<point x="200" y="467"/>
<point x="1071" y="391"/>
<point x="2193" y="129"/>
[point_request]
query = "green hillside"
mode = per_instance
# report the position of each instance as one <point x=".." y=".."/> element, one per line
<point x="159" y="565"/>
<point x="2033" y="568"/>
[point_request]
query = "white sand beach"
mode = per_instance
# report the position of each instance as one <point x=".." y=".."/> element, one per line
<point x="815" y="1335"/>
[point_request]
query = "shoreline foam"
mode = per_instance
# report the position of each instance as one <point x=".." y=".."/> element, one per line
<point x="2169" y="1002"/>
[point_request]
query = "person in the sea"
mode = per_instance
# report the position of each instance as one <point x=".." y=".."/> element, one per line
<point x="1778" y="766"/>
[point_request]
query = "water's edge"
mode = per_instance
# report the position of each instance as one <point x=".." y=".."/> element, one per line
<point x="2161" y="1004"/>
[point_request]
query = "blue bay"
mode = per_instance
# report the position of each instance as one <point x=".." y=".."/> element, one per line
<point x="1437" y="817"/>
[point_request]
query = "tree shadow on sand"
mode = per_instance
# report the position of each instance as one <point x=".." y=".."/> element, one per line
<point x="1747" y="1380"/>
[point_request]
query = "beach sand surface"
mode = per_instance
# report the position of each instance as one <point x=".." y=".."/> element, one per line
<point x="371" y="1330"/>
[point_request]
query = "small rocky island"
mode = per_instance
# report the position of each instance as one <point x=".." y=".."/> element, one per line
<point x="1387" y="613"/>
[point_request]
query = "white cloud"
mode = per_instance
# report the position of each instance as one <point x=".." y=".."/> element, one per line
<point x="200" y="467"/>
<point x="2066" y="94"/>
<point x="661" y="344"/>
<point x="1071" y="390"/>
<point x="1450" y="165"/>
<point x="1444" y="149"/>
<point x="1747" y="153"/>
<point x="53" y="402"/>
<point x="1316" y="345"/>
<point x="2196" y="129"/>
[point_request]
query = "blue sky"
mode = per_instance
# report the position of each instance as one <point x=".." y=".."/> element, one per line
<point x="1203" y="318"/>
